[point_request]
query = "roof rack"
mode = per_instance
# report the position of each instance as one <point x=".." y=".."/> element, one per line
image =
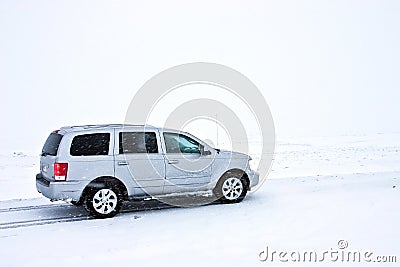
<point x="90" y="126"/>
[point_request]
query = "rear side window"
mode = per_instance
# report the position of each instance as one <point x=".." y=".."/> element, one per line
<point x="90" y="144"/>
<point x="137" y="142"/>
<point x="52" y="144"/>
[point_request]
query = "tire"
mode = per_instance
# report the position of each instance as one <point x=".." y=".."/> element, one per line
<point x="231" y="188"/>
<point x="103" y="201"/>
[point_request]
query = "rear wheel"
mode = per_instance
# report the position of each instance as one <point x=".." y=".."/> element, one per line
<point x="104" y="201"/>
<point x="231" y="188"/>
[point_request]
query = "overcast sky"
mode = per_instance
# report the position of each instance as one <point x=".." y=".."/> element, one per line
<point x="324" y="67"/>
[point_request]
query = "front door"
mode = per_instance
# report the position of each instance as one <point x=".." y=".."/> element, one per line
<point x="186" y="169"/>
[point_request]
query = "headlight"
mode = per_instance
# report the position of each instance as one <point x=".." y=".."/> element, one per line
<point x="253" y="165"/>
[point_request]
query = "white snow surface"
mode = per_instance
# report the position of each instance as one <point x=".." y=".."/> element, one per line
<point x="320" y="190"/>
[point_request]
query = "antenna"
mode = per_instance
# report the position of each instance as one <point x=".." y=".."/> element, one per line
<point x="216" y="124"/>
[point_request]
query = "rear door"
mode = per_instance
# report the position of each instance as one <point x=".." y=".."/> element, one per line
<point x="138" y="158"/>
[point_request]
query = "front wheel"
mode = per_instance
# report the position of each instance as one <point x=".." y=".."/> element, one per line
<point x="103" y="202"/>
<point x="231" y="188"/>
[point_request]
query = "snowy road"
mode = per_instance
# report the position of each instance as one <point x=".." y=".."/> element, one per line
<point x="292" y="213"/>
<point x="336" y="195"/>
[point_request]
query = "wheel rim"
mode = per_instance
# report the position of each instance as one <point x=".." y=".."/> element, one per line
<point x="105" y="201"/>
<point x="232" y="188"/>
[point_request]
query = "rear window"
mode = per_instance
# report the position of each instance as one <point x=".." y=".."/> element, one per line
<point x="90" y="144"/>
<point x="51" y="145"/>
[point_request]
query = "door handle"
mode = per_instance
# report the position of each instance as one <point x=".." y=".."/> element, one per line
<point x="122" y="163"/>
<point x="174" y="161"/>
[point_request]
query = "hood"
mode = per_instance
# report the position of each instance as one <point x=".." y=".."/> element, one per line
<point x="233" y="154"/>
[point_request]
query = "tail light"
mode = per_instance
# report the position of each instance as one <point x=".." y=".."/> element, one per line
<point x="60" y="171"/>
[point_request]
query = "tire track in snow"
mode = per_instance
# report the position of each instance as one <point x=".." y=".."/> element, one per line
<point x="31" y="207"/>
<point x="36" y="215"/>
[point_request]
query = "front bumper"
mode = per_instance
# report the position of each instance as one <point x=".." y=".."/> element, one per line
<point x="58" y="190"/>
<point x="254" y="177"/>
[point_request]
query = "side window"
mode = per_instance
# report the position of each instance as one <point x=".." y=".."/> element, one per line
<point x="90" y="144"/>
<point x="137" y="142"/>
<point x="178" y="143"/>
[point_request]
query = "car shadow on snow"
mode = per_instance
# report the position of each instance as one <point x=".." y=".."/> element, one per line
<point x="167" y="203"/>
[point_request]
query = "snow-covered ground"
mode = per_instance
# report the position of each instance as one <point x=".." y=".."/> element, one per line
<point x="320" y="191"/>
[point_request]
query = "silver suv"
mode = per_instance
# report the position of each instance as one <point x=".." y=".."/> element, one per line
<point x="102" y="165"/>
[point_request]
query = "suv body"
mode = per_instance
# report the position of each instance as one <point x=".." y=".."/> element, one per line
<point x="135" y="162"/>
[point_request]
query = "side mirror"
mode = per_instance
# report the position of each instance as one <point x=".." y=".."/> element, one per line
<point x="204" y="152"/>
